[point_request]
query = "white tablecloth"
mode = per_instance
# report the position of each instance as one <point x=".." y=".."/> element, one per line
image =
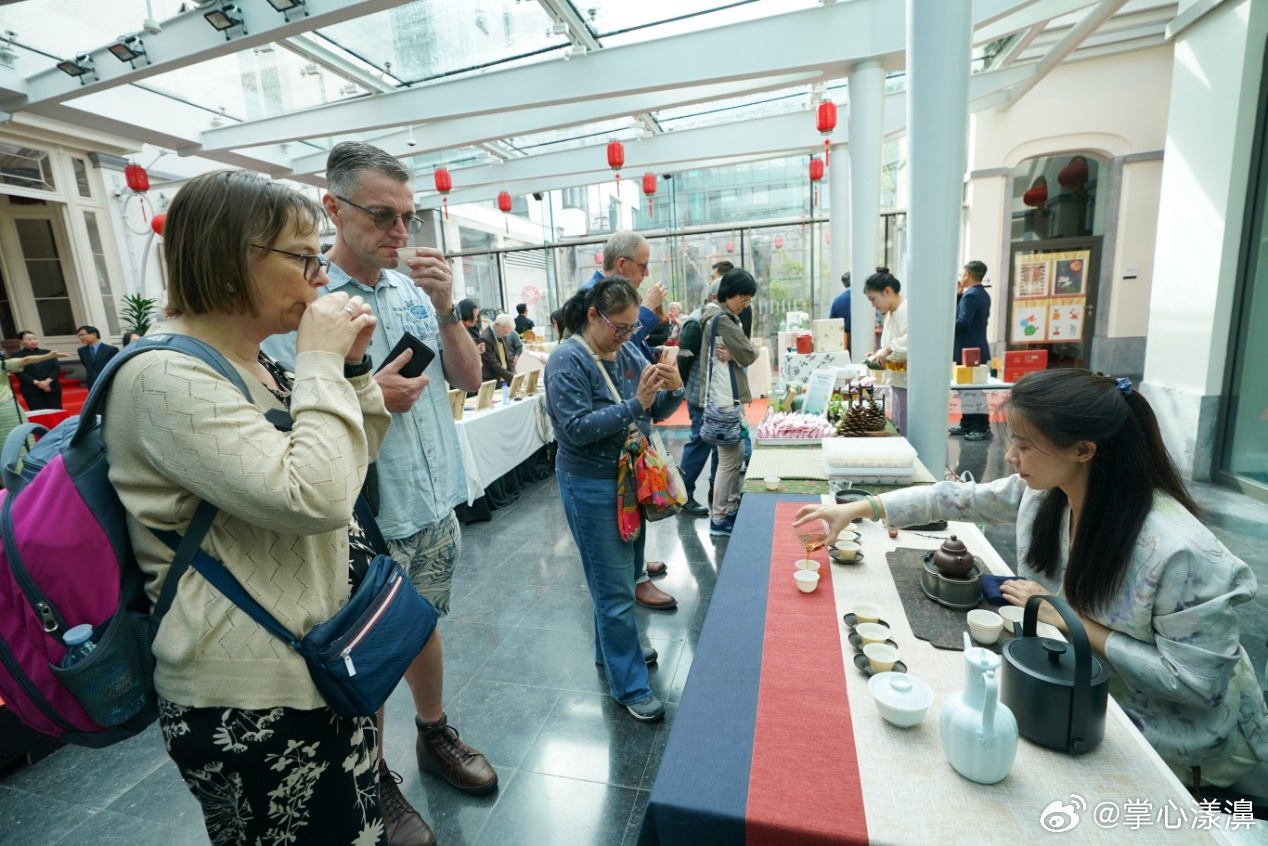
<point x="495" y="441"/>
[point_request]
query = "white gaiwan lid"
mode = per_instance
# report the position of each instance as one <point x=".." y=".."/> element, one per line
<point x="900" y="691"/>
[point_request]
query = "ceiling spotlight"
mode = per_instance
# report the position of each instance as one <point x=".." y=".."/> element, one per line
<point x="129" y="48"/>
<point x="219" y="120"/>
<point x="559" y="28"/>
<point x="7" y="54"/>
<point x="350" y="90"/>
<point x="226" y="18"/>
<point x="79" y="67"/>
<point x="310" y="69"/>
<point x="578" y="50"/>
<point x="288" y="6"/>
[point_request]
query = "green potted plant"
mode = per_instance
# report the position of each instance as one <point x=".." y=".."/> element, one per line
<point x="138" y="313"/>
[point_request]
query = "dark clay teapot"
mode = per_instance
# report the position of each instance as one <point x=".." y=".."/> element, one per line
<point x="953" y="558"/>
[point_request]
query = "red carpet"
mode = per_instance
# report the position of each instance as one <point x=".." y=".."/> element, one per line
<point x="755" y="412"/>
<point x="74" y="394"/>
<point x="804" y="759"/>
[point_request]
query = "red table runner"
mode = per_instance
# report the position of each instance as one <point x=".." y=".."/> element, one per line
<point x="804" y="782"/>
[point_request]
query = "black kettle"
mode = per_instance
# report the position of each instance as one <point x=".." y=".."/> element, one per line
<point x="1057" y="691"/>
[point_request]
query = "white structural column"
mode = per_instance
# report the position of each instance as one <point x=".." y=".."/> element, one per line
<point x="939" y="40"/>
<point x="839" y="222"/>
<point x="867" y="130"/>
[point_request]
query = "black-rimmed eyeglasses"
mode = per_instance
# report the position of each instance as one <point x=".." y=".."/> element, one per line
<point x="385" y="219"/>
<point x="313" y="263"/>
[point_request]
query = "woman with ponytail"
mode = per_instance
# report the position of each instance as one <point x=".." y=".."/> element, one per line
<point x="1103" y="519"/>
<point x="591" y="428"/>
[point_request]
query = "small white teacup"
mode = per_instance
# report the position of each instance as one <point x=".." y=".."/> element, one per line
<point x="807" y="580"/>
<point x="1013" y="615"/>
<point x="808" y="564"/>
<point x="847" y="550"/>
<point x="872" y="632"/>
<point x="881" y="656"/>
<point x="985" y="626"/>
<point x="866" y="612"/>
<point x="772" y="483"/>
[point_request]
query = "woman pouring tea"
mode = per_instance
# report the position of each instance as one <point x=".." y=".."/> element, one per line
<point x="1104" y="520"/>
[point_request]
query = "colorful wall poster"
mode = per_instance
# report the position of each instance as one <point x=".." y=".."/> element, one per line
<point x="1065" y="319"/>
<point x="1030" y="322"/>
<point x="1032" y="276"/>
<point x="1070" y="278"/>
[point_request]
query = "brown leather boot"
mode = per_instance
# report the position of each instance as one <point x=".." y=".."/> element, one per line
<point x="441" y="752"/>
<point x="650" y="596"/>
<point x="405" y="826"/>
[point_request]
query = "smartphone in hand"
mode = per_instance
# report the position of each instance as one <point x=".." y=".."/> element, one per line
<point x="669" y="355"/>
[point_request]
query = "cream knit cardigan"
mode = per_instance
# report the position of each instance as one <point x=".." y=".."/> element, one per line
<point x="177" y="433"/>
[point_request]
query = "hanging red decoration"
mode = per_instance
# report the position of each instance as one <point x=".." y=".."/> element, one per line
<point x="649" y="188"/>
<point x="1037" y="196"/>
<point x="616" y="160"/>
<point x="138" y="179"/>
<point x="504" y="206"/>
<point x="816" y="173"/>
<point x="598" y="259"/>
<point x="779" y="242"/>
<point x="730" y="246"/>
<point x="1074" y="175"/>
<point x="444" y="184"/>
<point x="827" y="123"/>
<point x="157" y="222"/>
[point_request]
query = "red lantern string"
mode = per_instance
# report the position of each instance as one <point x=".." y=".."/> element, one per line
<point x="827" y="123"/>
<point x="444" y="184"/>
<point x="616" y="159"/>
<point x="649" y="188"/>
<point x="816" y="173"/>
<point x="504" y="204"/>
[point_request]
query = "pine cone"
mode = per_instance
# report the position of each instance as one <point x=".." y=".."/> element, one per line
<point x="875" y="417"/>
<point x="854" y="423"/>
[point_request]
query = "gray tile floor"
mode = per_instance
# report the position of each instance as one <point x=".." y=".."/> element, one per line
<point x="521" y="685"/>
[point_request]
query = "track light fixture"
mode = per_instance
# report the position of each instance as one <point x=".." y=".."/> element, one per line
<point x="128" y="49"/>
<point x="288" y="6"/>
<point x="226" y="17"/>
<point x="79" y="67"/>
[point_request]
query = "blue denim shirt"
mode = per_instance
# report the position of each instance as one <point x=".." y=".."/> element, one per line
<point x="421" y="476"/>
<point x="590" y="425"/>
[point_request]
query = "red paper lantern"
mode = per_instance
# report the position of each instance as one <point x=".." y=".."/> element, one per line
<point x="444" y="184"/>
<point x="157" y="222"/>
<point x="779" y="242"/>
<point x="827" y="123"/>
<point x="649" y="188"/>
<point x="504" y="205"/>
<point x="598" y="259"/>
<point x="1037" y="196"/>
<point x="730" y="246"/>
<point x="616" y="159"/>
<point x="816" y="173"/>
<point x="138" y="179"/>
<point x="1075" y="174"/>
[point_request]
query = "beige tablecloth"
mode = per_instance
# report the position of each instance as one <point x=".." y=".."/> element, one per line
<point x="911" y="793"/>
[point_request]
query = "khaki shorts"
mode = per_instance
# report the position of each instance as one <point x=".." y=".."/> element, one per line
<point x="429" y="558"/>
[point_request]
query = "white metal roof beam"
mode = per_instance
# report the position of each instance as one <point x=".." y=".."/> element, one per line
<point x="820" y="38"/>
<point x="470" y="131"/>
<point x="563" y="11"/>
<point x="1063" y="48"/>
<point x="188" y="39"/>
<point x="1034" y="13"/>
<point x="1018" y="45"/>
<point x="314" y="50"/>
<point x="760" y="138"/>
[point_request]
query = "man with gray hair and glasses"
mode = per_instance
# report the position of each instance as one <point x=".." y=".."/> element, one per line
<point x="419" y="469"/>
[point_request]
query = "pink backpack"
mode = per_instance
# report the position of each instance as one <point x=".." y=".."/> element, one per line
<point x="66" y="560"/>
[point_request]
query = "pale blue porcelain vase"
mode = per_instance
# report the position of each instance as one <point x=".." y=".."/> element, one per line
<point x="979" y="733"/>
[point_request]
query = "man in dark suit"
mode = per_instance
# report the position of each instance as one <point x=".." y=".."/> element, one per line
<point x="93" y="353"/>
<point x="497" y="360"/>
<point x="971" y="316"/>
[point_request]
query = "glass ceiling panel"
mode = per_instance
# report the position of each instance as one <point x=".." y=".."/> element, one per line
<point x="745" y="107"/>
<point x="581" y="135"/>
<point x="623" y="22"/>
<point x="254" y="84"/>
<point x="427" y="39"/>
<point x="64" y="28"/>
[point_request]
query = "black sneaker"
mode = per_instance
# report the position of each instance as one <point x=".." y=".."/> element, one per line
<point x="957" y="430"/>
<point x="978" y="435"/>
<point x="647" y="710"/>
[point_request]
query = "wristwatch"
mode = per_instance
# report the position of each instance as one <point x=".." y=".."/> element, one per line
<point x="351" y="371"/>
<point x="451" y="317"/>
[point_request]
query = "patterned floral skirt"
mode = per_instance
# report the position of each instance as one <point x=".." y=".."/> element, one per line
<point x="278" y="776"/>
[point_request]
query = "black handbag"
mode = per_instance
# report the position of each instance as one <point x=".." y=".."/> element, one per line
<point x="358" y="656"/>
<point x="720" y="426"/>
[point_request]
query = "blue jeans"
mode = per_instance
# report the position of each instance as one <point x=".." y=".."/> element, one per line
<point x="696" y="452"/>
<point x="611" y="566"/>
